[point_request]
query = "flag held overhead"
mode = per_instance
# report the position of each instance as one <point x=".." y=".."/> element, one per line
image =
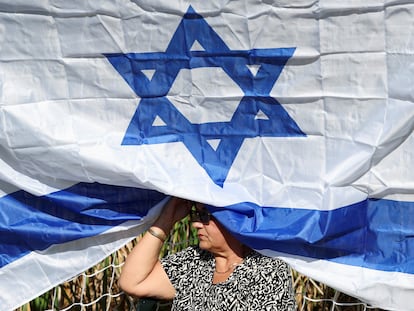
<point x="293" y="121"/>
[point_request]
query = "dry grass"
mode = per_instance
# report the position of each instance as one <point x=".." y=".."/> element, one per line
<point x="97" y="290"/>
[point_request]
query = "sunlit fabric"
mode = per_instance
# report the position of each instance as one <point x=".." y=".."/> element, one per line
<point x="291" y="120"/>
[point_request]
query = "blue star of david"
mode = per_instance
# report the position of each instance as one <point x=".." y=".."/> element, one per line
<point x="177" y="128"/>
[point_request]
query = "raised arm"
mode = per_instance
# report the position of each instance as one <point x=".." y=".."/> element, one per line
<point x="142" y="274"/>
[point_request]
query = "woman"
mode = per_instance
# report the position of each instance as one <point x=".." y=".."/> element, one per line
<point x="220" y="274"/>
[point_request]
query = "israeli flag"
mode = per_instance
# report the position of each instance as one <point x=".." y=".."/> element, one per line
<point x="292" y="120"/>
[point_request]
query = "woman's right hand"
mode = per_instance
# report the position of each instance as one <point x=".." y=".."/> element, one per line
<point x="175" y="210"/>
<point x="142" y="274"/>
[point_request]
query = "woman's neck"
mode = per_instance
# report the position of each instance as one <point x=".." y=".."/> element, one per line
<point x="224" y="267"/>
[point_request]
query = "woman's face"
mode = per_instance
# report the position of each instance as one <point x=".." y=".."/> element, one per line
<point x="210" y="232"/>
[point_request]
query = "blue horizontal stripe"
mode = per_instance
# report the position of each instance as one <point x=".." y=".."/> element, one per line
<point x="29" y="222"/>
<point x="376" y="234"/>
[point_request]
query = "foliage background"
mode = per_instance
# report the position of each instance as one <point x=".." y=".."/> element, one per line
<point x="97" y="288"/>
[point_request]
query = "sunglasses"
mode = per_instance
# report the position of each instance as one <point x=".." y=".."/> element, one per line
<point x="202" y="216"/>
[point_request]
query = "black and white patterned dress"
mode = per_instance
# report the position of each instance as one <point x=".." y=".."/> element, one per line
<point x="259" y="283"/>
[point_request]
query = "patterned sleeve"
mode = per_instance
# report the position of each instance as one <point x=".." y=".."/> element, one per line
<point x="272" y="286"/>
<point x="179" y="265"/>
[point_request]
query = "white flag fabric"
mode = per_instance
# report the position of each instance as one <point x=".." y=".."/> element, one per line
<point x="293" y="120"/>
